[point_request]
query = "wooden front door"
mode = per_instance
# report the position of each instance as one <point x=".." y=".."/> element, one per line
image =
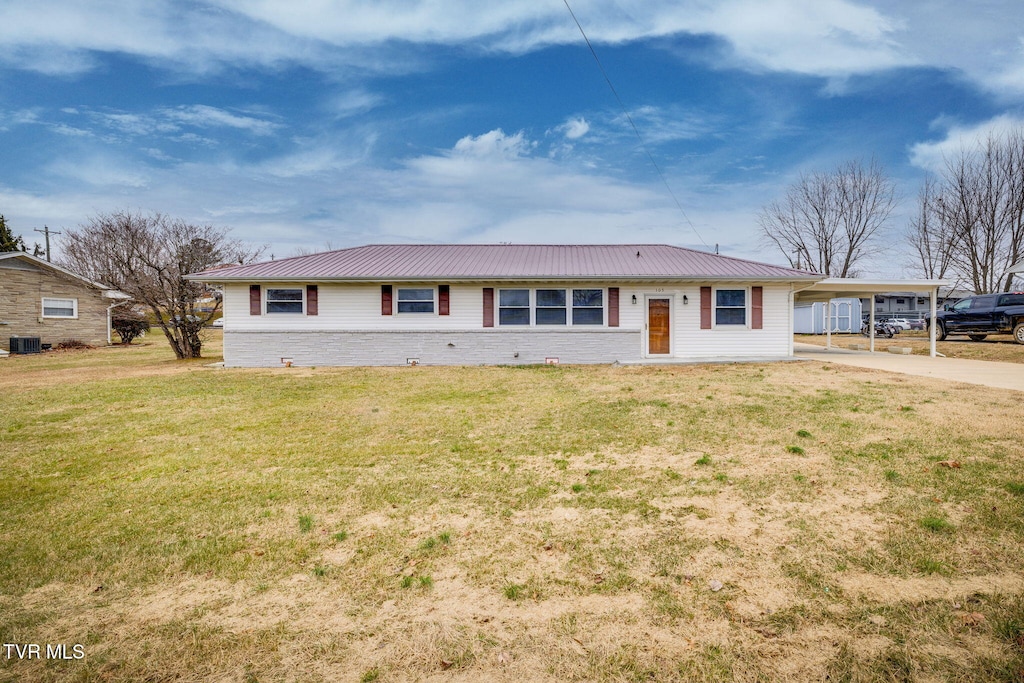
<point x="658" y="326"/>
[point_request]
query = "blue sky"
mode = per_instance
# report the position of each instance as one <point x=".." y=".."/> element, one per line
<point x="312" y="123"/>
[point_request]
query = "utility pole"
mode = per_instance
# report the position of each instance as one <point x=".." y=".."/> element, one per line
<point x="47" y="232"/>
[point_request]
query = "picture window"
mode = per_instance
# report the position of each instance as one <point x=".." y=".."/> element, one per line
<point x="513" y="307"/>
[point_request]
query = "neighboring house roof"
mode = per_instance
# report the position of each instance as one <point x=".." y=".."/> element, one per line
<point x="108" y="292"/>
<point x="410" y="262"/>
<point x="906" y="294"/>
<point x="944" y="293"/>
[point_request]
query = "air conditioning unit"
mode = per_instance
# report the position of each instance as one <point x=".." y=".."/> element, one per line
<point x="25" y="345"/>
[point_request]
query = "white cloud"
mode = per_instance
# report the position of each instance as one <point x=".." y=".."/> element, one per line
<point x="62" y="36"/>
<point x="70" y="131"/>
<point x="354" y="102"/>
<point x="203" y="116"/>
<point x="832" y="38"/>
<point x="982" y="41"/>
<point x="101" y="172"/>
<point x="315" y="158"/>
<point x="931" y="156"/>
<point x="18" y="118"/>
<point x="821" y="37"/>
<point x="825" y="37"/>
<point x="113" y="126"/>
<point x="129" y="124"/>
<point x="658" y="125"/>
<point x="493" y="145"/>
<point x="574" y="129"/>
<point x="489" y="187"/>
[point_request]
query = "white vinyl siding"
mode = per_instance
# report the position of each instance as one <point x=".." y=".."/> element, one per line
<point x="348" y="307"/>
<point x="735" y="341"/>
<point x="355" y="307"/>
<point x="727" y="341"/>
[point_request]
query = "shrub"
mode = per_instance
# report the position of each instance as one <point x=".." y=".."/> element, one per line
<point x="128" y="324"/>
<point x="69" y="344"/>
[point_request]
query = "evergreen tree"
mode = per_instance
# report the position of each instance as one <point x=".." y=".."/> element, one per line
<point x="8" y="241"/>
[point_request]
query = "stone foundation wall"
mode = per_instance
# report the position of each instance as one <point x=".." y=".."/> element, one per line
<point x="466" y="347"/>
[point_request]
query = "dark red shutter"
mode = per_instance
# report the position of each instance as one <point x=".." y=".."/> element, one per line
<point x="705" y="308"/>
<point x="385" y="299"/>
<point x="757" y="307"/>
<point x="442" y="299"/>
<point x="613" y="307"/>
<point x="312" y="299"/>
<point x="255" y="305"/>
<point x="488" y="306"/>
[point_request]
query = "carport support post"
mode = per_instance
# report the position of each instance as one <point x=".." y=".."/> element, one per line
<point x="933" y="295"/>
<point x="871" y="323"/>
<point x="827" y="308"/>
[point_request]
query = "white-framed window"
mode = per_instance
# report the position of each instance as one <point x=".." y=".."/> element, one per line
<point x="415" y="299"/>
<point x="285" y="300"/>
<point x="60" y="308"/>
<point x="730" y="307"/>
<point x="588" y="307"/>
<point x="550" y="307"/>
<point x="513" y="307"/>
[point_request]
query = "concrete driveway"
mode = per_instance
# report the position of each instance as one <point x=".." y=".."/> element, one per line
<point x="983" y="372"/>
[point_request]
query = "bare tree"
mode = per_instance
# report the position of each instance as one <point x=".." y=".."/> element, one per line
<point x="828" y="222"/>
<point x="148" y="257"/>
<point x="930" y="239"/>
<point x="977" y="211"/>
<point x="309" y="251"/>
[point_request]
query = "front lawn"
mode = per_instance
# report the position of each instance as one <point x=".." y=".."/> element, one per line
<point x="761" y="522"/>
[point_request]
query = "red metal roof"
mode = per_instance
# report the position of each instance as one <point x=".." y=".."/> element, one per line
<point x="506" y="262"/>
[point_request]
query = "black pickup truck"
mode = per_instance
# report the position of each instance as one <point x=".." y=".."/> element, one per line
<point x="980" y="316"/>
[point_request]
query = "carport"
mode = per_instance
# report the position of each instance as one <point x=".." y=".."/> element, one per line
<point x="837" y="288"/>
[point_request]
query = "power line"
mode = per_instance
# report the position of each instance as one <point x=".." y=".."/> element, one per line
<point x="636" y="130"/>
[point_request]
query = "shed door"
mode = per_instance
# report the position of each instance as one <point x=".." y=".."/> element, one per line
<point x="658" y="326"/>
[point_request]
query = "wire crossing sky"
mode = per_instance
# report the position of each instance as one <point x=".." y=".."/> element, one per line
<point x="632" y="124"/>
<point x="311" y="123"/>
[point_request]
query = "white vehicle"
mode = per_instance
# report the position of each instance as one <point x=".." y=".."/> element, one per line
<point x="902" y="323"/>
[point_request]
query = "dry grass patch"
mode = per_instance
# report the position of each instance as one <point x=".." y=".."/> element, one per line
<point x="748" y="522"/>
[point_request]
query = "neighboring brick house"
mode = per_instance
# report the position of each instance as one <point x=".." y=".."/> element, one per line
<point x="39" y="299"/>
